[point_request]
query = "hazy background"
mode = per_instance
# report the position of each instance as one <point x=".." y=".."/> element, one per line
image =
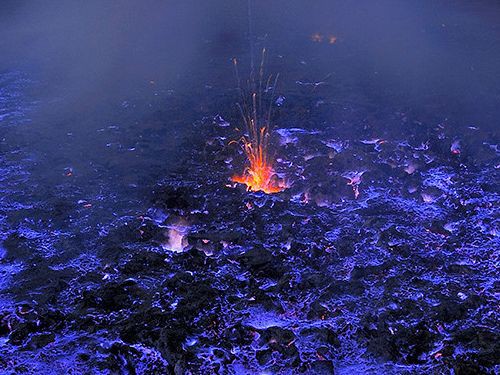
<point x="89" y="51"/>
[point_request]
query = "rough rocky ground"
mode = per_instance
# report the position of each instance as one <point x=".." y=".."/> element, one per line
<point x="381" y="257"/>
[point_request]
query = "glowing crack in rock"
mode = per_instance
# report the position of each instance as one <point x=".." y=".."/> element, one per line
<point x="354" y="181"/>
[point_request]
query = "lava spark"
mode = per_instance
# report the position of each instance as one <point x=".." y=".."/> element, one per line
<point x="260" y="174"/>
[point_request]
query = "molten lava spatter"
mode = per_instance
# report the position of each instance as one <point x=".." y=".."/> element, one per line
<point x="260" y="176"/>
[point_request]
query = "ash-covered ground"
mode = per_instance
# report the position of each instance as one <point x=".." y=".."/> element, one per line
<point x="126" y="249"/>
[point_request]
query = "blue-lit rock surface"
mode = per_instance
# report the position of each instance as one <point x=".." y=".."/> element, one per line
<point x="126" y="249"/>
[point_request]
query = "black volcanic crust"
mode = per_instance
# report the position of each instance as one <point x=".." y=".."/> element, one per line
<point x="399" y="280"/>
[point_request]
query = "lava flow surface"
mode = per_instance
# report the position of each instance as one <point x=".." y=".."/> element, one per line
<point x="149" y="225"/>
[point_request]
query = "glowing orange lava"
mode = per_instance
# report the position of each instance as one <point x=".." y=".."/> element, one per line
<point x="260" y="175"/>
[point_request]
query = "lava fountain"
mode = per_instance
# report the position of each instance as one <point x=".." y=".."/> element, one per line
<point x="260" y="174"/>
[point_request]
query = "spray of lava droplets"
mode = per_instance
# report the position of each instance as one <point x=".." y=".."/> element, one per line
<point x="260" y="174"/>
